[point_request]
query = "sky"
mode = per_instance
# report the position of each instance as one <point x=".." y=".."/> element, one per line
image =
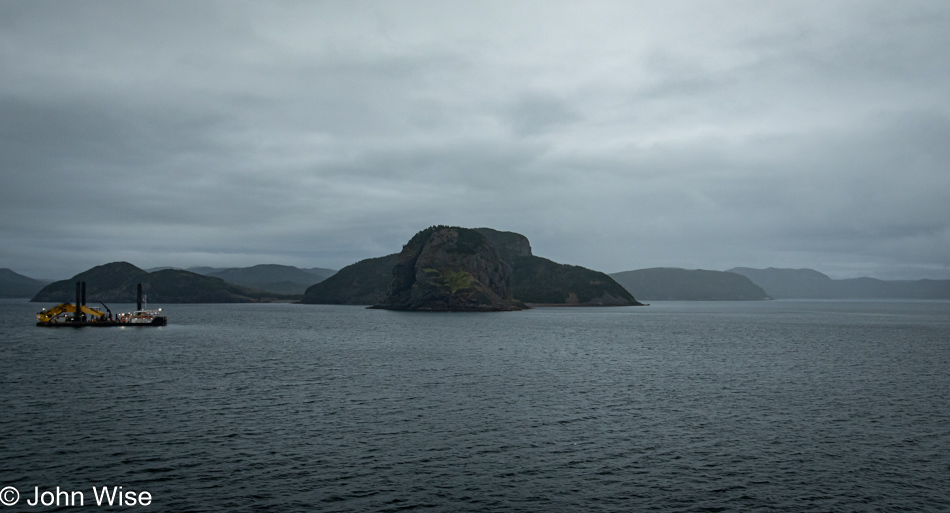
<point x="614" y="135"/>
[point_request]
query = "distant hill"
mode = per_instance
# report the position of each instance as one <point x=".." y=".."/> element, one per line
<point x="13" y="285"/>
<point x="673" y="284"/>
<point x="205" y="270"/>
<point x="533" y="279"/>
<point x="117" y="282"/>
<point x="366" y="282"/>
<point x="319" y="272"/>
<point x="281" y="279"/>
<point x="540" y="281"/>
<point x="811" y="284"/>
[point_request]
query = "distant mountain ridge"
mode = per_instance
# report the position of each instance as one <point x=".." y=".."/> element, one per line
<point x="674" y="284"/>
<point x="282" y="279"/>
<point x="811" y="284"/>
<point x="117" y="282"/>
<point x="279" y="279"/>
<point x="15" y="285"/>
<point x="534" y="280"/>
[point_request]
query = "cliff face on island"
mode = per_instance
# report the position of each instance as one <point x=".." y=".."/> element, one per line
<point x="510" y="245"/>
<point x="533" y="279"/>
<point x="450" y="269"/>
<point x="537" y="280"/>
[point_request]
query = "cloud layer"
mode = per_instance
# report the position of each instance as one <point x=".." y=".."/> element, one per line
<point x="615" y="135"/>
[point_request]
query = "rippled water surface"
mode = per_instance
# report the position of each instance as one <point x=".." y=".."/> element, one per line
<point x="760" y="406"/>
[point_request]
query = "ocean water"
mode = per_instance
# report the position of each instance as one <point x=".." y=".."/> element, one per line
<point x="785" y="406"/>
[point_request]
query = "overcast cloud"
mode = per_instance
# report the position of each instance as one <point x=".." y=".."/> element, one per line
<point x="614" y="135"/>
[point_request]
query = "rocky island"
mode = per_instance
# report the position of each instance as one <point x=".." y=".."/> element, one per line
<point x="446" y="268"/>
<point x="466" y="269"/>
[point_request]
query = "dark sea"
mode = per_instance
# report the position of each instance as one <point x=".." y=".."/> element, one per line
<point x="784" y="406"/>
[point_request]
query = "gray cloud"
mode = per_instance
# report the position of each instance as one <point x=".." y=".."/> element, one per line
<point x="614" y="135"/>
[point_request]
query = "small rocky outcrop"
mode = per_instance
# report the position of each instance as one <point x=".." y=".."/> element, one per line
<point x="446" y="268"/>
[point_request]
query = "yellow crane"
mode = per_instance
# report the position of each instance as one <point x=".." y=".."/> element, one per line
<point x="49" y="316"/>
<point x="57" y="316"/>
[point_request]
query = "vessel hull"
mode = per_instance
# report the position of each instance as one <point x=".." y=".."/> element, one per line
<point x="102" y="324"/>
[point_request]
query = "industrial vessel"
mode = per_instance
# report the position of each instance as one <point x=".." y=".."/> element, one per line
<point x="68" y="315"/>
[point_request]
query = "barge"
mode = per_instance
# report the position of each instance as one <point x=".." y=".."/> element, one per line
<point x="79" y="315"/>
